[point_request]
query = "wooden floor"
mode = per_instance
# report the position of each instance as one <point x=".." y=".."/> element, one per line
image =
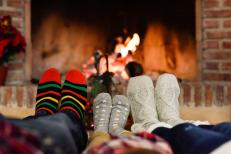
<point x="211" y="114"/>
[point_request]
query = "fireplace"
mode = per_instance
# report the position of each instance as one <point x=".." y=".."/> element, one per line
<point x="65" y="34"/>
<point x="209" y="30"/>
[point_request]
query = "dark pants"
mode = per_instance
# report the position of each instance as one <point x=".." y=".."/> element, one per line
<point x="58" y="132"/>
<point x="190" y="139"/>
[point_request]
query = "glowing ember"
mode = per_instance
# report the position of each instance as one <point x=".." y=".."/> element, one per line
<point x="115" y="64"/>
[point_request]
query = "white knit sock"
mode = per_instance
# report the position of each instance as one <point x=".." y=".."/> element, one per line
<point x="167" y="92"/>
<point x="102" y="105"/>
<point x="119" y="114"/>
<point x="140" y="92"/>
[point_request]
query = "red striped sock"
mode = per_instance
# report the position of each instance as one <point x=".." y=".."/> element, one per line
<point x="74" y="94"/>
<point x="48" y="92"/>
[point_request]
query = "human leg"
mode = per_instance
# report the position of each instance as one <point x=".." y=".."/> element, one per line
<point x="48" y="93"/>
<point x="119" y="115"/>
<point x="190" y="139"/>
<point x="167" y="93"/>
<point x="140" y="92"/>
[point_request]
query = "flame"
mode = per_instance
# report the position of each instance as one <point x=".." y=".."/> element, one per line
<point x="129" y="45"/>
<point x="115" y="64"/>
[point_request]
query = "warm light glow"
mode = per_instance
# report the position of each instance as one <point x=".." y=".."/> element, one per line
<point x="129" y="45"/>
<point x="115" y="64"/>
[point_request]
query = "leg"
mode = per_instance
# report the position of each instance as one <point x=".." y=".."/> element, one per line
<point x="119" y="114"/>
<point x="48" y="93"/>
<point x="189" y="139"/>
<point x="74" y="95"/>
<point x="167" y="94"/>
<point x="102" y="105"/>
<point x="57" y="132"/>
<point x="140" y="92"/>
<point x="223" y="128"/>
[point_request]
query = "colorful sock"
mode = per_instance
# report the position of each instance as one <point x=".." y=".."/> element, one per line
<point x="74" y="94"/>
<point x="48" y="92"/>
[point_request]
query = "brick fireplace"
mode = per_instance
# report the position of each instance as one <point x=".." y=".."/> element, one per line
<point x="212" y="86"/>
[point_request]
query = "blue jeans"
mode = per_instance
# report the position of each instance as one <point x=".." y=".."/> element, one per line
<point x="190" y="139"/>
<point x="57" y="132"/>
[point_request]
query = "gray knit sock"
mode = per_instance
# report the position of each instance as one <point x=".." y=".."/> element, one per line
<point x="119" y="114"/>
<point x="140" y="92"/>
<point x="101" y="111"/>
<point x="167" y="94"/>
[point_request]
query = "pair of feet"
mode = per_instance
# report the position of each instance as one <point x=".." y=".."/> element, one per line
<point x="69" y="98"/>
<point x="110" y="114"/>
<point x="154" y="107"/>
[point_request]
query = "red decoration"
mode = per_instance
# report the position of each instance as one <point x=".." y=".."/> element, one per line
<point x="11" y="40"/>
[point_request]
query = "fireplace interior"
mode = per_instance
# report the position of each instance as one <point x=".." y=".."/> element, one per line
<point x="65" y="34"/>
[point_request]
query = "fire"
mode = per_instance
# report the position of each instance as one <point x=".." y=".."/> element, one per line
<point x="115" y="64"/>
<point x="129" y="45"/>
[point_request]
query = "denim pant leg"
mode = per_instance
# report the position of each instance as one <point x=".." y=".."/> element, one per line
<point x="189" y="139"/>
<point x="224" y="128"/>
<point x="68" y="136"/>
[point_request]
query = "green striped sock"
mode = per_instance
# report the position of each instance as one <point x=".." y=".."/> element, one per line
<point x="48" y="93"/>
<point x="74" y="94"/>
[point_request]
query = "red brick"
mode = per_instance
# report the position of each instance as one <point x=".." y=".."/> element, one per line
<point x="198" y="93"/>
<point x="218" y="13"/>
<point x="227" y="23"/>
<point x="227" y="77"/>
<point x="14" y="3"/>
<point x="211" y="45"/>
<point x="15" y="76"/>
<point x="211" y="65"/>
<point x="11" y="13"/>
<point x="226" y="44"/>
<point x="19" y="96"/>
<point x="16" y="66"/>
<point x="211" y="24"/>
<point x="214" y="35"/>
<point x="216" y="55"/>
<point x="208" y="95"/>
<point x="219" y="95"/>
<point x="212" y="77"/>
<point x="211" y="3"/>
<point x="227" y="3"/>
<point x="226" y="66"/>
<point x="216" y="76"/>
<point x="229" y="94"/>
<point x="31" y="93"/>
<point x="227" y="34"/>
<point x="8" y="95"/>
<point x="186" y="94"/>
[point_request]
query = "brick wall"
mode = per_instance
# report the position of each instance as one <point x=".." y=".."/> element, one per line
<point x="216" y="40"/>
<point x="213" y="87"/>
<point x="15" y="8"/>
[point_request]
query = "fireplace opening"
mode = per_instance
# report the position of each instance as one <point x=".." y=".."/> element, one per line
<point x="66" y="34"/>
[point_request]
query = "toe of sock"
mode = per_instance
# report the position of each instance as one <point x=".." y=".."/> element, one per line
<point x="75" y="77"/>
<point x="49" y="75"/>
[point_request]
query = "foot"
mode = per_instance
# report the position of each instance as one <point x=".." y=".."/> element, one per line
<point x="167" y="94"/>
<point x="140" y="92"/>
<point x="119" y="114"/>
<point x="48" y="92"/>
<point x="102" y="105"/>
<point x="74" y="94"/>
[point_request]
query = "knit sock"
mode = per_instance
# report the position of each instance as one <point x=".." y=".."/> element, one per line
<point x="119" y="114"/>
<point x="48" y="93"/>
<point x="101" y="112"/>
<point x="74" y="95"/>
<point x="140" y="92"/>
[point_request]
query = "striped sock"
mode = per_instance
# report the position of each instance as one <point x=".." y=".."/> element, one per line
<point x="48" y="93"/>
<point x="74" y="94"/>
